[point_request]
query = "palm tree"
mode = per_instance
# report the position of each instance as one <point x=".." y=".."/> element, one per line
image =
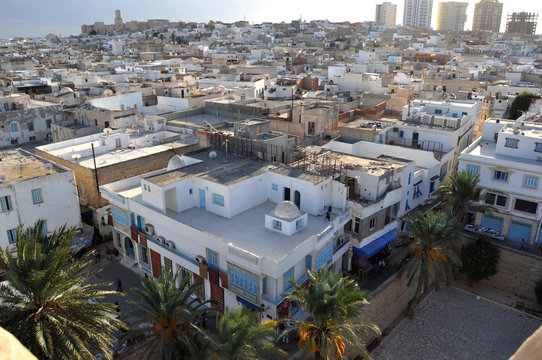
<point x="335" y="307"/>
<point x="166" y="312"/>
<point x="426" y="246"/>
<point x="237" y="337"/>
<point x="462" y="194"/>
<point x="48" y="305"/>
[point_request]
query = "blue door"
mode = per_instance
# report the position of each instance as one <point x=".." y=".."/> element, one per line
<point x="202" y="198"/>
<point x="129" y="248"/>
<point x="491" y="222"/>
<point x="539" y="240"/>
<point x="519" y="231"/>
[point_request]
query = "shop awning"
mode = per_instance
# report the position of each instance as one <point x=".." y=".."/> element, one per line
<point x="248" y="303"/>
<point x="376" y="245"/>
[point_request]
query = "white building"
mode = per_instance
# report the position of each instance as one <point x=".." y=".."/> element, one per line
<point x="417" y="13"/>
<point x="31" y="188"/>
<point x="226" y="221"/>
<point x="508" y="159"/>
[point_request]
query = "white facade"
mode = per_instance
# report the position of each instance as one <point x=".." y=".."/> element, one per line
<point x="31" y="189"/>
<point x="508" y="159"/>
<point x="223" y="212"/>
<point x="417" y="13"/>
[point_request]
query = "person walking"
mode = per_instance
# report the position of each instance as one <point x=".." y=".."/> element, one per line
<point x="119" y="285"/>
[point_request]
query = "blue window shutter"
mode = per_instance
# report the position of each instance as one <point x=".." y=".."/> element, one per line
<point x="3" y="203"/>
<point x="308" y="262"/>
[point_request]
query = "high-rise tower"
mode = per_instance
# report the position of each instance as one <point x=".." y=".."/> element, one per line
<point x="452" y="16"/>
<point x="417" y="13"/>
<point x="487" y="16"/>
<point x="386" y="13"/>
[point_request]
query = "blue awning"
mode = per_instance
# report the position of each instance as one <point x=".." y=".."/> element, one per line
<point x="376" y="245"/>
<point x="248" y="303"/>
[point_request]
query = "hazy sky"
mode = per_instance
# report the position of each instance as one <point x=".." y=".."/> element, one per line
<point x="41" y="17"/>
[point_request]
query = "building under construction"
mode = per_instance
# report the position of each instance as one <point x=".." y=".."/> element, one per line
<point x="521" y="23"/>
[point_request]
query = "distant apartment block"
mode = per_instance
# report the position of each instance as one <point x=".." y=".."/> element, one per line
<point x="487" y="16"/>
<point x="521" y="23"/>
<point x="507" y="159"/>
<point x="386" y="13"/>
<point x="417" y="13"/>
<point x="452" y="16"/>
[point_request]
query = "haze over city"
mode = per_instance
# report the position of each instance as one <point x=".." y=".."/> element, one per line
<point x="270" y="180"/>
<point x="39" y="18"/>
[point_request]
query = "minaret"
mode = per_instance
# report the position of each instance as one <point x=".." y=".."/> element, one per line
<point x="488" y="106"/>
<point x="118" y="19"/>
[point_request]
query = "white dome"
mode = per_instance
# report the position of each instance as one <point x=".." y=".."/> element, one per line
<point x="175" y="162"/>
<point x="287" y="210"/>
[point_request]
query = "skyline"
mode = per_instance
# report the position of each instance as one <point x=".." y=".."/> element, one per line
<point x="35" y="18"/>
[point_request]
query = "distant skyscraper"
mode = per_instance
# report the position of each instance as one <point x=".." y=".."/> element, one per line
<point x="452" y="16"/>
<point x="521" y="23"/>
<point x="386" y="13"/>
<point x="418" y="13"/>
<point x="118" y="19"/>
<point x="487" y="16"/>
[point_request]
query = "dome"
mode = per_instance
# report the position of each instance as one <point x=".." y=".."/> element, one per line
<point x="287" y="210"/>
<point x="175" y="162"/>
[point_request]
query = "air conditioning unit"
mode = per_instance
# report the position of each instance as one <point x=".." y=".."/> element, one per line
<point x="149" y="229"/>
<point x="171" y="244"/>
<point x="161" y="239"/>
<point x="200" y="259"/>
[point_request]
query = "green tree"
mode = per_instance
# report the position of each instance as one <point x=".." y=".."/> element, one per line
<point x="238" y="337"/>
<point x="521" y="103"/>
<point x="166" y="312"/>
<point x="426" y="246"/>
<point x="462" y="194"/>
<point x="48" y="304"/>
<point x="480" y="260"/>
<point x="335" y="306"/>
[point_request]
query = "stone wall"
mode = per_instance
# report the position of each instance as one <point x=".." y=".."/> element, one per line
<point x="389" y="302"/>
<point x="517" y="273"/>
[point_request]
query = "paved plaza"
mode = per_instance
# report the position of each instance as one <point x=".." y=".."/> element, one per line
<point x="455" y="325"/>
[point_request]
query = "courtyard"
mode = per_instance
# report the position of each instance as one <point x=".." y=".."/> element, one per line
<point x="454" y="324"/>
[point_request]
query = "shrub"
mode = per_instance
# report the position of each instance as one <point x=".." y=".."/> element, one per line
<point x="521" y="103"/>
<point x="480" y="260"/>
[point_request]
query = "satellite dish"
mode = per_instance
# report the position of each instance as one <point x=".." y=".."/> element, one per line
<point x="213" y="155"/>
<point x="260" y="155"/>
<point x="108" y="130"/>
<point x="76" y="157"/>
<point x="48" y="166"/>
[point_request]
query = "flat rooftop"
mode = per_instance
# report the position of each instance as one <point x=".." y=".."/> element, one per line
<point x="79" y="150"/>
<point x="19" y="165"/>
<point x="200" y="120"/>
<point x="254" y="238"/>
<point x="229" y="169"/>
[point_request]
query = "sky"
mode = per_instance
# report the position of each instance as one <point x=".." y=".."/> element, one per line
<point x="65" y="17"/>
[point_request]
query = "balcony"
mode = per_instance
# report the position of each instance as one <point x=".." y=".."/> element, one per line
<point x="426" y="145"/>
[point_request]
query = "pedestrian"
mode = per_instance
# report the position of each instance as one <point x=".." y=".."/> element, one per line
<point x="95" y="255"/>
<point x="522" y="247"/>
<point x="117" y="309"/>
<point x="119" y="285"/>
<point x="99" y="256"/>
<point x="281" y="329"/>
<point x="146" y="276"/>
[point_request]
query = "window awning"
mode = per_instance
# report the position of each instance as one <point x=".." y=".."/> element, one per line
<point x="376" y="245"/>
<point x="248" y="303"/>
<point x="435" y="177"/>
